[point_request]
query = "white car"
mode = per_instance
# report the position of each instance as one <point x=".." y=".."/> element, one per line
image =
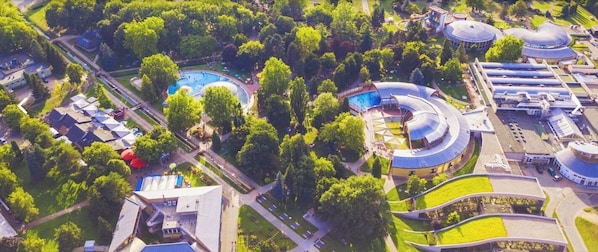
<point x="3" y="140"/>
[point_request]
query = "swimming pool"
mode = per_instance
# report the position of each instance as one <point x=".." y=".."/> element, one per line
<point x="365" y="101"/>
<point x="196" y="83"/>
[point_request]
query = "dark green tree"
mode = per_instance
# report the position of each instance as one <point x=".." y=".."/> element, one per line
<point x="105" y="229"/>
<point x="377" y="168"/>
<point x="259" y="154"/>
<point x="299" y="99"/>
<point x="452" y="71"/>
<point x="34" y="159"/>
<point x="447" y="52"/>
<point x="106" y="195"/>
<point x="216" y="144"/>
<point x="75" y="73"/>
<point x="278" y="190"/>
<point x="147" y="89"/>
<point x="16" y="150"/>
<point x="68" y="236"/>
<point x="102" y="96"/>
<point x="278" y="112"/>
<point x="417" y="77"/>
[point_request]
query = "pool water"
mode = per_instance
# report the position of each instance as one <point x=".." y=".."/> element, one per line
<point x="365" y="101"/>
<point x="196" y="81"/>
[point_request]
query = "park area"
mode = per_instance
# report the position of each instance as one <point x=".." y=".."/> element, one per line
<point x="253" y="228"/>
<point x="474" y="230"/>
<point x="587" y="225"/>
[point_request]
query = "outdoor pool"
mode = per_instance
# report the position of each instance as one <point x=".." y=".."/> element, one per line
<point x="365" y="101"/>
<point x="196" y="83"/>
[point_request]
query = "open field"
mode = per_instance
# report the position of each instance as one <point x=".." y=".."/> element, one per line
<point x="254" y="228"/>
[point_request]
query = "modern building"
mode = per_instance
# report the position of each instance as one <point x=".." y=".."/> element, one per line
<point x="549" y="42"/>
<point x="579" y="163"/>
<point x="14" y="66"/>
<point x="190" y="217"/>
<point x="89" y="40"/>
<point x="531" y="87"/>
<point x="436" y="18"/>
<point x="472" y="33"/>
<point x="436" y="132"/>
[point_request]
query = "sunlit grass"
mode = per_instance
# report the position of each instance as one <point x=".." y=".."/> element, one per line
<point x="474" y="230"/>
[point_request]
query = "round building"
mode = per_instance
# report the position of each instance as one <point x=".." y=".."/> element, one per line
<point x="471" y="33"/>
<point x="579" y="163"/>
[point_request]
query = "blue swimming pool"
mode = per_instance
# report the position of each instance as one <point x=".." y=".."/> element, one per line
<point x="365" y="101"/>
<point x="196" y="82"/>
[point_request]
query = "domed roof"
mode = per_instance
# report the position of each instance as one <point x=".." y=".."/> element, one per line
<point x="230" y="86"/>
<point x="548" y="35"/>
<point x="471" y="31"/>
<point x="428" y="121"/>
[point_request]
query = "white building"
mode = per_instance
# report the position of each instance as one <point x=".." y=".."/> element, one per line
<point x="579" y="163"/>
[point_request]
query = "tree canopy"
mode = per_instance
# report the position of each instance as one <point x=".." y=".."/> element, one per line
<point x="151" y="146"/>
<point x="325" y="109"/>
<point x="68" y="236"/>
<point x="183" y="111"/>
<point x="259" y="154"/>
<point x="346" y="130"/>
<point x="275" y="78"/>
<point x="22" y="204"/>
<point x="161" y="70"/>
<point x="75" y="73"/>
<point x="220" y="105"/>
<point x="506" y="49"/>
<point x="142" y="37"/>
<point x="107" y="193"/>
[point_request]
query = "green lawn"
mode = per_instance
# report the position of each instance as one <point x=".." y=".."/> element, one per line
<point x="470" y="165"/>
<point x="294" y="211"/>
<point x="38" y="17"/>
<point x="456" y="91"/>
<point x="536" y="21"/>
<point x="203" y="161"/>
<point x="405" y="230"/>
<point x="194" y="175"/>
<point x="475" y="230"/>
<point x="367" y="165"/>
<point x="80" y="217"/>
<point x="588" y="231"/>
<point x="251" y="224"/>
<point x="453" y="190"/>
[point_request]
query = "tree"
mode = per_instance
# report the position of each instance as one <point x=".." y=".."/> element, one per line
<point x="506" y="49"/>
<point x="318" y="14"/>
<point x="411" y="60"/>
<point x="34" y="159"/>
<point x="328" y="60"/>
<point x="102" y="96"/>
<point x="447" y="52"/>
<point x="490" y="20"/>
<point x="476" y="5"/>
<point x="62" y="162"/>
<point x="226" y="27"/>
<point x="461" y="54"/>
<point x="325" y="109"/>
<point x="229" y="53"/>
<point x="151" y="146"/>
<point x="346" y="131"/>
<point x="75" y="73"/>
<point x="413" y="185"/>
<point x="16" y="150"/>
<point x="8" y="181"/>
<point x="6" y="98"/>
<point x="355" y="209"/>
<point x="267" y="246"/>
<point x="415" y="31"/>
<point x="13" y="116"/>
<point x="22" y="204"/>
<point x="147" y="89"/>
<point x="216" y="144"/>
<point x="519" y="9"/>
<point x="10" y="244"/>
<point x="193" y="46"/>
<point x="307" y="39"/>
<point x="105" y="229"/>
<point x="161" y="70"/>
<point x="327" y="85"/>
<point x="452" y="71"/>
<point x="32" y="243"/>
<point x="249" y="54"/>
<point x="259" y="154"/>
<point x="68" y="236"/>
<point x="183" y="111"/>
<point x="378" y="16"/>
<point x="106" y="194"/>
<point x="220" y="103"/>
<point x="275" y="78"/>
<point x="278" y="190"/>
<point x="299" y="99"/>
<point x="278" y="112"/>
<point x="453" y="218"/>
<point x="366" y="39"/>
<point x="36" y="131"/>
<point x="343" y="24"/>
<point x="38" y="89"/>
<point x="364" y="74"/>
<point x="439" y="179"/>
<point x="377" y="168"/>
<point x="142" y="37"/>
<point x="417" y="77"/>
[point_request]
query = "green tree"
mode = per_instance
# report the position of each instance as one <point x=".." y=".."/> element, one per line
<point x="377" y="168"/>
<point x="8" y="181"/>
<point x="307" y="39"/>
<point x="34" y="159"/>
<point x="461" y="54"/>
<point x="161" y="70"/>
<point x="259" y="154"/>
<point x="38" y="89"/>
<point x="226" y="27"/>
<point x="68" y="236"/>
<point x="249" y="54"/>
<point x="519" y="9"/>
<point x="151" y="146"/>
<point x="343" y="24"/>
<point x="267" y="246"/>
<point x="417" y="77"/>
<point x="75" y="73"/>
<point x="36" y="131"/>
<point x="62" y="162"/>
<point x="16" y="150"/>
<point x="105" y="229"/>
<point x="490" y="20"/>
<point x="416" y="31"/>
<point x="452" y="71"/>
<point x="22" y="204"/>
<point x="476" y="5"/>
<point x="346" y="130"/>
<point x="326" y="107"/>
<point x="447" y="52"/>
<point x="299" y="99"/>
<point x="216" y="144"/>
<point x="413" y="185"/>
<point x="278" y="190"/>
<point x="411" y="60"/>
<point x="439" y="179"/>
<point x="102" y="96"/>
<point x="142" y="37"/>
<point x="506" y="49"/>
<point x="13" y="116"/>
<point x="6" y="98"/>
<point x="68" y="193"/>
<point x="275" y="78"/>
<point x="319" y="14"/>
<point x="327" y="85"/>
<point x="220" y="104"/>
<point x="147" y="89"/>
<point x="453" y="218"/>
<point x="278" y="112"/>
<point x="10" y="244"/>
<point x="183" y="111"/>
<point x="32" y="243"/>
<point x="354" y="207"/>
<point x="328" y="60"/>
<point x="106" y="194"/>
<point x="193" y="46"/>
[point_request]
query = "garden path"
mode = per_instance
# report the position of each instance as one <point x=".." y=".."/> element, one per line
<point x="55" y="215"/>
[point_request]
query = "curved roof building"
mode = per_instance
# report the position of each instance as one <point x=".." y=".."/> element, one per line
<point x="440" y="128"/>
<point x="549" y="41"/>
<point x="579" y="163"/>
<point x="472" y="33"/>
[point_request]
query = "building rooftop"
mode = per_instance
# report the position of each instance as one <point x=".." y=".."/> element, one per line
<point x="576" y="164"/>
<point x="548" y="35"/>
<point x="471" y="31"/>
<point x="126" y="225"/>
<point x="519" y="133"/>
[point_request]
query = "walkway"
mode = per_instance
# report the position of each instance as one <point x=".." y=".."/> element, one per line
<point x="568" y="209"/>
<point x="55" y="215"/>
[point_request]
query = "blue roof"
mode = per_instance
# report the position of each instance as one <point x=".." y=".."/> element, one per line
<point x="471" y="31"/>
<point x="168" y="247"/>
<point x="518" y="73"/>
<point x="531" y="91"/>
<point x="524" y="81"/>
<point x="549" y="53"/>
<point x="547" y="35"/>
<point x="512" y="65"/>
<point x="568" y="159"/>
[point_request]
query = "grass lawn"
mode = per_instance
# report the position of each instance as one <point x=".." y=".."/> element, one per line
<point x="38" y="17"/>
<point x="367" y="166"/>
<point x="588" y="231"/>
<point x="405" y="230"/>
<point x="475" y="230"/>
<point x="203" y="161"/>
<point x="194" y="175"/>
<point x="470" y="165"/>
<point x="456" y="91"/>
<point x="294" y="211"/>
<point x="536" y="21"/>
<point x="454" y="189"/>
<point x="80" y="217"/>
<point x="251" y="224"/>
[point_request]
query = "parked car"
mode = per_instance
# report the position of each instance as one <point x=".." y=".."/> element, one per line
<point x="3" y="140"/>
<point x="539" y="169"/>
<point x="557" y="177"/>
<point x="551" y="171"/>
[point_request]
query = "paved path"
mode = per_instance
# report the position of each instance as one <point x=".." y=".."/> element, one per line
<point x="567" y="210"/>
<point x="55" y="215"/>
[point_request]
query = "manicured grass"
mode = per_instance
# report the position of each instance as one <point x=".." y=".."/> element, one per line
<point x="253" y="224"/>
<point x="536" y="21"/>
<point x="125" y="80"/>
<point x="194" y="175"/>
<point x="203" y="161"/>
<point x="80" y="217"/>
<point x="470" y="165"/>
<point x="453" y="190"/>
<point x="588" y="231"/>
<point x="475" y="230"/>
<point x="38" y="17"/>
<point x="367" y="166"/>
<point x="405" y="230"/>
<point x="294" y="211"/>
<point x="456" y="91"/>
